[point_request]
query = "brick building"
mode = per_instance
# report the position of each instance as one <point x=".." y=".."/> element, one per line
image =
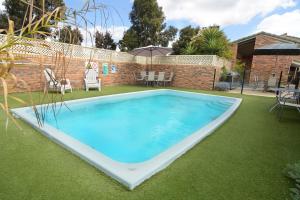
<point x="267" y="55"/>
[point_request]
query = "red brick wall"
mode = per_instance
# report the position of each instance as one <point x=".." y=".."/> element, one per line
<point x="124" y="74"/>
<point x="30" y="74"/>
<point x="234" y="49"/>
<point x="186" y="76"/>
<point x="264" y="65"/>
<point x="74" y="69"/>
<point x="189" y="76"/>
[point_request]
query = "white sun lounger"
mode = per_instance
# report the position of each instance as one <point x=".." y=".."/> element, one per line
<point x="56" y="85"/>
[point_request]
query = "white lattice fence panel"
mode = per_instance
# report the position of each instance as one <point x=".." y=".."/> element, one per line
<point x="56" y="46"/>
<point x="140" y="60"/>
<point x="164" y="60"/>
<point x="227" y="63"/>
<point x="155" y="60"/>
<point x="221" y="62"/>
<point x="29" y="46"/>
<point x="75" y="51"/>
<point x="102" y="55"/>
<point x="122" y="57"/>
<point x="33" y="47"/>
<point x="64" y="50"/>
<point x="205" y="60"/>
<point x="41" y="47"/>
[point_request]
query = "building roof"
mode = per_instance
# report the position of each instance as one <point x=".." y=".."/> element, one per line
<point x="293" y="38"/>
<point x="283" y="38"/>
<point x="279" y="48"/>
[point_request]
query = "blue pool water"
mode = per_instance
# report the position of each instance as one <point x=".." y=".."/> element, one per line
<point x="134" y="130"/>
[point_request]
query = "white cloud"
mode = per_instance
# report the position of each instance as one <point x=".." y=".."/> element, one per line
<point x="117" y="32"/>
<point x="1" y="5"/>
<point x="278" y="24"/>
<point x="224" y="13"/>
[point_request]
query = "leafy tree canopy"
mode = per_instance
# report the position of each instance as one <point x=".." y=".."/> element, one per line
<point x="181" y="46"/>
<point x="211" y="41"/>
<point x="129" y="41"/>
<point x="168" y="35"/>
<point x="16" y="10"/>
<point x="148" y="27"/>
<point x="104" y="41"/>
<point x="239" y="67"/>
<point x="69" y="35"/>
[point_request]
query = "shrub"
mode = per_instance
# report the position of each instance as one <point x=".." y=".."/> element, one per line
<point x="224" y="73"/>
<point x="239" y="68"/>
<point x="222" y="86"/>
<point x="292" y="171"/>
<point x="212" y="41"/>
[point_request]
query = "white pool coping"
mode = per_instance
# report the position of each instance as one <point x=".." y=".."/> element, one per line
<point x="130" y="175"/>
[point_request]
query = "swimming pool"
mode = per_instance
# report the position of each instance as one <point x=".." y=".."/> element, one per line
<point x="132" y="136"/>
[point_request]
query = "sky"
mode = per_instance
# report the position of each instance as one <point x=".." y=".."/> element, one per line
<point x="238" y="18"/>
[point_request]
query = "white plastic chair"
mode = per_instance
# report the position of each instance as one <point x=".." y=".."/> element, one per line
<point x="160" y="77"/>
<point x="92" y="80"/>
<point x="169" y="79"/>
<point x="150" y="77"/>
<point x="56" y="85"/>
<point x="139" y="77"/>
<point x="143" y="74"/>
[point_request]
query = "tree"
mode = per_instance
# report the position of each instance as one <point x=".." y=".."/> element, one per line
<point x="185" y="37"/>
<point x="69" y="35"/>
<point x="104" y="41"/>
<point x="239" y="67"/>
<point x="147" y="20"/>
<point x="189" y="50"/>
<point x="148" y="27"/>
<point x="168" y="35"/>
<point x="212" y="41"/>
<point x="129" y="41"/>
<point x="99" y="40"/>
<point x="15" y="10"/>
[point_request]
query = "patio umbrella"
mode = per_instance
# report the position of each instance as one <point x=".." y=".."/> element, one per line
<point x="150" y="51"/>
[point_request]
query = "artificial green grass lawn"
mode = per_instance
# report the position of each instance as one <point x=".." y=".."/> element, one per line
<point x="243" y="159"/>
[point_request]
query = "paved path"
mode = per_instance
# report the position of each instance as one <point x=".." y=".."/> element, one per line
<point x="253" y="92"/>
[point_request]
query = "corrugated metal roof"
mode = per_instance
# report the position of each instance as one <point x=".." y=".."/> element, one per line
<point x="283" y="38"/>
<point x="278" y="49"/>
<point x="281" y="46"/>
